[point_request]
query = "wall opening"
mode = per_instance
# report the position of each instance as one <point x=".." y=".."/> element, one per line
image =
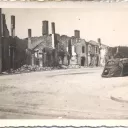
<point x="83" y="49"/>
<point x="82" y="61"/>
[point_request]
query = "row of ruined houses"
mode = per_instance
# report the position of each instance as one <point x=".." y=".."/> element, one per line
<point x="48" y="49"/>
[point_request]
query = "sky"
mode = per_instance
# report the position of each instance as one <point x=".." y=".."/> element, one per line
<point x="108" y="23"/>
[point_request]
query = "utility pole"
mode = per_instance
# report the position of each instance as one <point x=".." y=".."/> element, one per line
<point x="0" y="40"/>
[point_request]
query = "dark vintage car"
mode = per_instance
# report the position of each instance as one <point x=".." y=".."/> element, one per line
<point x="116" y="68"/>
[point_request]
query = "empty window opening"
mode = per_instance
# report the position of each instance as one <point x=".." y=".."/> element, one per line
<point x="83" y="49"/>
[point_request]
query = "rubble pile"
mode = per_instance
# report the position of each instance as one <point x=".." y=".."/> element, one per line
<point x="73" y="66"/>
<point x="30" y="68"/>
<point x="70" y="66"/>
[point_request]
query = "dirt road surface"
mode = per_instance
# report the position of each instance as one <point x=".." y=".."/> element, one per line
<point x="61" y="94"/>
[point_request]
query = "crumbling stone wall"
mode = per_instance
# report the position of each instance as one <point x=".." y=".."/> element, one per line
<point x="21" y="55"/>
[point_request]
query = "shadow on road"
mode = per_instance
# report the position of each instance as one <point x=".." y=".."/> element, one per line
<point x="118" y="99"/>
<point x="71" y="74"/>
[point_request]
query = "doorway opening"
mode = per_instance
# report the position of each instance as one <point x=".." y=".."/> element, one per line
<point x="82" y="61"/>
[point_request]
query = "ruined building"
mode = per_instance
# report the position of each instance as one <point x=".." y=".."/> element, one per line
<point x="42" y="50"/>
<point x="54" y="49"/>
<point x="12" y="48"/>
<point x="49" y="49"/>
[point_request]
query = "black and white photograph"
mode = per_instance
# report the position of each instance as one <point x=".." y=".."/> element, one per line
<point x="64" y="63"/>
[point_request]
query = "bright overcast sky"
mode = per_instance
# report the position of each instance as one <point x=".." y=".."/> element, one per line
<point x="108" y="23"/>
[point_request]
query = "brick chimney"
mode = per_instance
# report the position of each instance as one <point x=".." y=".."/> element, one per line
<point x="77" y="33"/>
<point x="53" y="35"/>
<point x="70" y="47"/>
<point x="3" y="25"/>
<point x="13" y="26"/>
<point x="5" y="31"/>
<point x="53" y="27"/>
<point x="99" y="41"/>
<point x="45" y="28"/>
<point x="117" y="50"/>
<point x="29" y="38"/>
<point x="29" y="33"/>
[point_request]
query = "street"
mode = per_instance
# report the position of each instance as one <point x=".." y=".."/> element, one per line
<point x="61" y="94"/>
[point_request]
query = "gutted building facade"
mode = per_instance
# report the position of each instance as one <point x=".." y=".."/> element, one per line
<point x="48" y="49"/>
<point x="12" y="50"/>
<point x="93" y="53"/>
<point x="54" y="49"/>
<point x="79" y="51"/>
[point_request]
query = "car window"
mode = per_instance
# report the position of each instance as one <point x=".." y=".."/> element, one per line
<point x="125" y="61"/>
<point x="110" y="63"/>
